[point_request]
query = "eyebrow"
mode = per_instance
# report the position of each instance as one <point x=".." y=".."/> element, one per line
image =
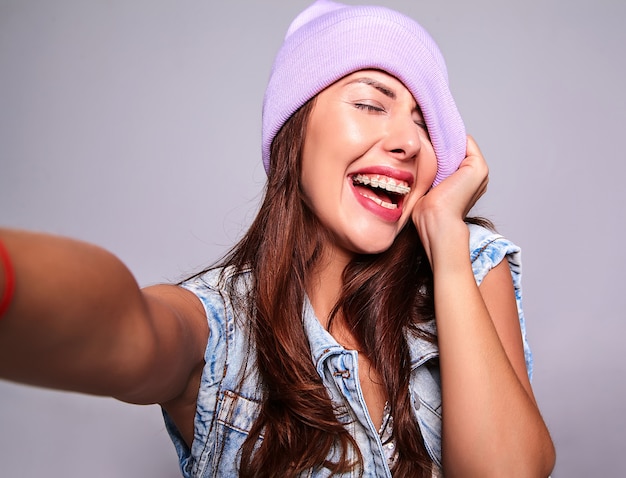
<point x="385" y="90"/>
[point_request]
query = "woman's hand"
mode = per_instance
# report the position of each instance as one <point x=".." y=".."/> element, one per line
<point x="440" y="213"/>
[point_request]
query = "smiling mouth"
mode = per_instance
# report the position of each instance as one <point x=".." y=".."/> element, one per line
<point x="383" y="190"/>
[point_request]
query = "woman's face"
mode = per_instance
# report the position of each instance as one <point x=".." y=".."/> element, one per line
<point x="366" y="160"/>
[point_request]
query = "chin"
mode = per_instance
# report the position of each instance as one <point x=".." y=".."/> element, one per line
<point x="372" y="247"/>
<point x="371" y="239"/>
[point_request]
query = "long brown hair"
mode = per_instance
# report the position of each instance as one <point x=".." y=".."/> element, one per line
<point x="384" y="297"/>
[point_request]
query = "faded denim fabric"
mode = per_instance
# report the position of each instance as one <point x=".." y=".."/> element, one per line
<point x="230" y="391"/>
<point x="487" y="250"/>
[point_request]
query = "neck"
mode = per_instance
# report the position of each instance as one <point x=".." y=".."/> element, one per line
<point x="325" y="284"/>
<point x="324" y="289"/>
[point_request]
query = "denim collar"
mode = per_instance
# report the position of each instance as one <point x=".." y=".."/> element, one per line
<point x="323" y="344"/>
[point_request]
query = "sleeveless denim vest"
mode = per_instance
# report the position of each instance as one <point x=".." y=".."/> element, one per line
<point x="230" y="390"/>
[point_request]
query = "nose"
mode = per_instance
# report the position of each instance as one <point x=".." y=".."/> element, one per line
<point x="403" y="137"/>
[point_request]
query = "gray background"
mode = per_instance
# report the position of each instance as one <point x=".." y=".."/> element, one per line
<point x="136" y="125"/>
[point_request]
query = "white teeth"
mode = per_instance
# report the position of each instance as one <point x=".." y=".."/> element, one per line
<point x="380" y="202"/>
<point x="382" y="182"/>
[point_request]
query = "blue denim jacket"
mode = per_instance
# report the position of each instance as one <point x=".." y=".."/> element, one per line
<point x="228" y="405"/>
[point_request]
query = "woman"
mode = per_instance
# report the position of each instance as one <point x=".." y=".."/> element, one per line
<point x="360" y="327"/>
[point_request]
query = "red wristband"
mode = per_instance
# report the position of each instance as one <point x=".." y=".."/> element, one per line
<point x="9" y="280"/>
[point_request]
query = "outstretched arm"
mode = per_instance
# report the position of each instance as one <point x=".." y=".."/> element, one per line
<point x="78" y="321"/>
<point x="491" y="423"/>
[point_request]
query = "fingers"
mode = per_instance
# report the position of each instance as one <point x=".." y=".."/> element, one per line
<point x="476" y="158"/>
<point x="472" y="147"/>
<point x="446" y="206"/>
<point x="480" y="169"/>
<point x="459" y="192"/>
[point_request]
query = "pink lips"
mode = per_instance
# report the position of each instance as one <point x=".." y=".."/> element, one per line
<point x="389" y="215"/>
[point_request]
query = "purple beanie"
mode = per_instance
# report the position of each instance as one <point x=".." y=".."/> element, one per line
<point x="329" y="40"/>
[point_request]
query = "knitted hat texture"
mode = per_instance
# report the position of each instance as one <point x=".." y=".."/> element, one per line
<point x="329" y="40"/>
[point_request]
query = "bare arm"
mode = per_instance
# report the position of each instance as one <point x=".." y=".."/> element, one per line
<point x="79" y="321"/>
<point x="491" y="425"/>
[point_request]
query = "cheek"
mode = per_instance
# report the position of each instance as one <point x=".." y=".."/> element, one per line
<point x="316" y="169"/>
<point x="426" y="172"/>
<point x="308" y="180"/>
<point x="426" y="169"/>
<point x="340" y="133"/>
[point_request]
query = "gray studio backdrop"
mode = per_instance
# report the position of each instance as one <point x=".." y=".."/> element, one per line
<point x="136" y="126"/>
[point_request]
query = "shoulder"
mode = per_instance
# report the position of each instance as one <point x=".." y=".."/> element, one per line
<point x="216" y="283"/>
<point x="488" y="249"/>
<point x="221" y="290"/>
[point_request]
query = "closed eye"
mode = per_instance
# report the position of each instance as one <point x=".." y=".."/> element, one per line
<point x="368" y="107"/>
<point x="419" y="119"/>
<point x="422" y="125"/>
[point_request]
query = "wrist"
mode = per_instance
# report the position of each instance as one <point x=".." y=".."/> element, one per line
<point x="448" y="246"/>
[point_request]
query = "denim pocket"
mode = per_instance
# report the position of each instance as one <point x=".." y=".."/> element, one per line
<point x="235" y="416"/>
<point x="238" y="413"/>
